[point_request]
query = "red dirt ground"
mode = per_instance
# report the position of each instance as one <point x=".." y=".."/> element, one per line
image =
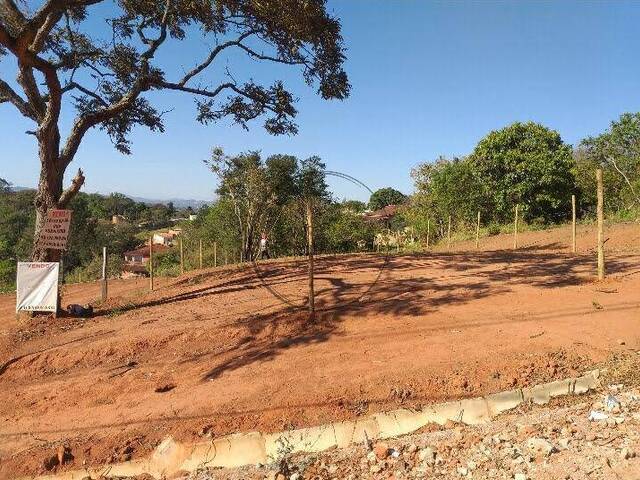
<point x="218" y="351"/>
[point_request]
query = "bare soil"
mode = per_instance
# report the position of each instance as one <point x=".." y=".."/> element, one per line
<point x="230" y="349"/>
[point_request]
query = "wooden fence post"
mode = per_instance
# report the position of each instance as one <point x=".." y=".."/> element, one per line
<point x="515" y="229"/>
<point x="478" y="231"/>
<point x="200" y="253"/>
<point x="215" y="254"/>
<point x="312" y="305"/>
<point x="573" y="223"/>
<point x="181" y="258"/>
<point x="428" y="227"/>
<point x="449" y="234"/>
<point x="600" y="210"/>
<point x="104" y="274"/>
<point x="151" y="263"/>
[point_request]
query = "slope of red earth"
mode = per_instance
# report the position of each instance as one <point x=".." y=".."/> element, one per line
<point x="232" y="349"/>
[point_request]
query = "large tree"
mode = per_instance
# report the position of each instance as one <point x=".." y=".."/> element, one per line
<point x="62" y="59"/>
<point x="526" y="164"/>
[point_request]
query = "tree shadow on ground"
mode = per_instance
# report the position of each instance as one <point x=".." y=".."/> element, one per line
<point x="465" y="277"/>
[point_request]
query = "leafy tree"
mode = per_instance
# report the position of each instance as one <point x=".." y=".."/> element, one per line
<point x="386" y="196"/>
<point x="617" y="152"/>
<point x="526" y="164"/>
<point x="448" y="188"/>
<point x="257" y="190"/>
<point x="5" y="187"/>
<point x="105" y="74"/>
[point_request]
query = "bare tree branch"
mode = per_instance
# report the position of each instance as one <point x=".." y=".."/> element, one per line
<point x="7" y="94"/>
<point x="76" y="86"/>
<point x="74" y="188"/>
<point x="214" y="53"/>
<point x="12" y="17"/>
<point x="626" y="179"/>
<point x="44" y="30"/>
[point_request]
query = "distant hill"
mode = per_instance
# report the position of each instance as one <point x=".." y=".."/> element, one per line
<point x="178" y="203"/>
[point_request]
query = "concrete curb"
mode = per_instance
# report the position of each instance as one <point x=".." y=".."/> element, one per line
<point x="251" y="448"/>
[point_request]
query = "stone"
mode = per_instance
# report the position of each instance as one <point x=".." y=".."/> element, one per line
<point x="375" y="468"/>
<point x="540" y="446"/>
<point x="427" y="455"/>
<point x="463" y="471"/>
<point x="627" y="453"/>
<point x="381" y="450"/>
<point x="520" y="476"/>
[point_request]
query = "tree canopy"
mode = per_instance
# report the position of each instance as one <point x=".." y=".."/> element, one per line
<point x="526" y="164"/>
<point x="386" y="196"/>
<point x="617" y="152"/>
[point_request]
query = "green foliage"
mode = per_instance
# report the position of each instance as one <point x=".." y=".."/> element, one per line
<point x="386" y="196"/>
<point x="617" y="152"/>
<point x="526" y="164"/>
<point x="447" y="188"/>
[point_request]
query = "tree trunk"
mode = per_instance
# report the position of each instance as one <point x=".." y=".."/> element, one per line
<point x="47" y="197"/>
<point x="50" y="194"/>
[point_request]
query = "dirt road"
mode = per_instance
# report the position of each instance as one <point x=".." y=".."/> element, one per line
<point x="232" y="349"/>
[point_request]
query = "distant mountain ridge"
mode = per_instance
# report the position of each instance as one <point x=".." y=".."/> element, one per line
<point x="179" y="203"/>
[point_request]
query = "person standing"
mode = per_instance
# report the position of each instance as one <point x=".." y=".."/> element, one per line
<point x="264" y="252"/>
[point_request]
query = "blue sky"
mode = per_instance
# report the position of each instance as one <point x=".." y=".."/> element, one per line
<point x="429" y="79"/>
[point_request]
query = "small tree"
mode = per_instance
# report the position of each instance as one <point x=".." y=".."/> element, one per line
<point x="312" y="188"/>
<point x="105" y="74"/>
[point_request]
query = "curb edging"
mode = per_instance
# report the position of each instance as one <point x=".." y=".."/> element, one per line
<point x="251" y="448"/>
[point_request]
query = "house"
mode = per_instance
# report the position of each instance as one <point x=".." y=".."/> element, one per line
<point x="193" y="217"/>
<point x="165" y="238"/>
<point x="135" y="261"/>
<point x="384" y="214"/>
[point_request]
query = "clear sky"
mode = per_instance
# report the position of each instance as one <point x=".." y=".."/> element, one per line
<point x="429" y="79"/>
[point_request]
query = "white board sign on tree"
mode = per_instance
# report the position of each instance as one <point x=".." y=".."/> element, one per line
<point x="37" y="287"/>
<point x="55" y="231"/>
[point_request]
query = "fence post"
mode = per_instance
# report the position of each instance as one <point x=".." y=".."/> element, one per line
<point x="104" y="274"/>
<point x="312" y="306"/>
<point x="515" y="229"/>
<point x="601" y="268"/>
<point x="181" y="258"/>
<point x="151" y="263"/>
<point x="428" y="227"/>
<point x="200" y="254"/>
<point x="449" y="234"/>
<point x="215" y="254"/>
<point x="478" y="231"/>
<point x="573" y="223"/>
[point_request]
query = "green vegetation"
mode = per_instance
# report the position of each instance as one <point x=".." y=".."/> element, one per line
<point x="386" y="196"/>
<point x="91" y="229"/>
<point x="523" y="163"/>
<point x="529" y="165"/>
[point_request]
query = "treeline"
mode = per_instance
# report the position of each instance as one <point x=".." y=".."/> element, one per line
<point x="259" y="195"/>
<point x="525" y="164"/>
<point x="529" y="165"/>
<point x="91" y="229"/>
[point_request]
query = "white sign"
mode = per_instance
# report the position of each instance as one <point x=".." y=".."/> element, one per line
<point x="55" y="231"/>
<point x="37" y="286"/>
